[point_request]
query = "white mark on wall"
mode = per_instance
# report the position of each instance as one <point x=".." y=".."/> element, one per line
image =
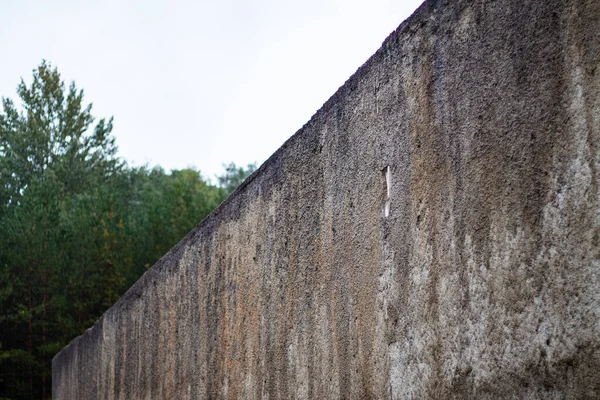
<point x="377" y="95"/>
<point x="388" y="184"/>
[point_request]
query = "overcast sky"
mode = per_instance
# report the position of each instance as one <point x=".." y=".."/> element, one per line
<point x="197" y="83"/>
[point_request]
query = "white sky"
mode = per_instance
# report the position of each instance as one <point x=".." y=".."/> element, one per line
<point x="197" y="83"/>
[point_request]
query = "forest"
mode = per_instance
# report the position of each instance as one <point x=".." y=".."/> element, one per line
<point x="78" y="226"/>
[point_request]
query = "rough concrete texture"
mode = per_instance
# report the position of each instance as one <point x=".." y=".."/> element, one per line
<point x="433" y="232"/>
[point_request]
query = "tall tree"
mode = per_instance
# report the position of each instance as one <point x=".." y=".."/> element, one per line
<point x="53" y="131"/>
<point x="50" y="151"/>
<point x="77" y="226"/>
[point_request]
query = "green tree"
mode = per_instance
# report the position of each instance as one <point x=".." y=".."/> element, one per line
<point x="77" y="226"/>
<point x="165" y="207"/>
<point x="234" y="176"/>
<point x="53" y="131"/>
<point x="50" y="152"/>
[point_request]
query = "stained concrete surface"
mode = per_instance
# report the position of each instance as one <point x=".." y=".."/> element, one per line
<point x="431" y="233"/>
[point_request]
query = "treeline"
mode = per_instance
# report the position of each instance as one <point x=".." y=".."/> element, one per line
<point x="77" y="225"/>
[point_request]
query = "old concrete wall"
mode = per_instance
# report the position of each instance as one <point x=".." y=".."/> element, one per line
<point x="432" y="232"/>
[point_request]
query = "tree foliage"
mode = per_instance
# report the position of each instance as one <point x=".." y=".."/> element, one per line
<point x="234" y="176"/>
<point x="77" y="225"/>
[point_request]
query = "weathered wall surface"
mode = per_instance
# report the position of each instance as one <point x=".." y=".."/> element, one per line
<point x="478" y="277"/>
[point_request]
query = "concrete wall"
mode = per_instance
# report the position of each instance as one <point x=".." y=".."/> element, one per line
<point x="432" y="232"/>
